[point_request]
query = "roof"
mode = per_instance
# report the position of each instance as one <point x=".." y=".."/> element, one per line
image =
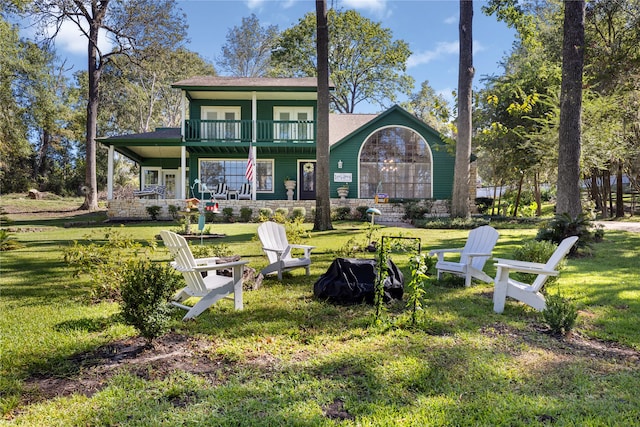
<point x="341" y="125"/>
<point x="246" y="82"/>
<point x="169" y="134"/>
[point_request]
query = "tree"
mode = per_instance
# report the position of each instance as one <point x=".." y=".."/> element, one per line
<point x="430" y="107"/>
<point x="570" y="109"/>
<point x="365" y="63"/>
<point x="247" y="51"/>
<point x="132" y="25"/>
<point x="460" y="198"/>
<point x="322" y="219"/>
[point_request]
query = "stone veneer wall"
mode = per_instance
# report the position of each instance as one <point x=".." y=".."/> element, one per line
<point x="135" y="209"/>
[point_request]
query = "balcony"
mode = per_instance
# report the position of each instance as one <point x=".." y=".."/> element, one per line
<point x="239" y="131"/>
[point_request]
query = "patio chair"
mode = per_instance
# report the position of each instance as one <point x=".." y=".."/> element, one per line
<point x="245" y="192"/>
<point x="529" y="294"/>
<point x="221" y="191"/>
<point x="210" y="288"/>
<point x="274" y="243"/>
<point x="473" y="256"/>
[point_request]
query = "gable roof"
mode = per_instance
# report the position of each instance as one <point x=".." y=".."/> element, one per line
<point x="248" y="83"/>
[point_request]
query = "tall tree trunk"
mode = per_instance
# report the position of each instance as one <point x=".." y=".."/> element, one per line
<point x="570" y="109"/>
<point x="536" y="192"/>
<point x="322" y="220"/>
<point x="619" y="194"/>
<point x="460" y="199"/>
<point x="518" y="195"/>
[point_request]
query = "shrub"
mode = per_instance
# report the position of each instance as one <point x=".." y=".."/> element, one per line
<point x="342" y="213"/>
<point x="295" y="230"/>
<point x="174" y="211"/>
<point x="415" y="210"/>
<point x="246" y="214"/>
<point x="563" y="226"/>
<point x="7" y="242"/>
<point x="280" y="215"/>
<point x="227" y="214"/>
<point x="265" y="214"/>
<point x="560" y="314"/>
<point x="207" y="251"/>
<point x="361" y="213"/>
<point x="146" y="289"/>
<point x="299" y="212"/>
<point x="153" y="211"/>
<point x="483" y="204"/>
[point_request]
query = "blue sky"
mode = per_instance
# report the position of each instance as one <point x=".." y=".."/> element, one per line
<point x="430" y="27"/>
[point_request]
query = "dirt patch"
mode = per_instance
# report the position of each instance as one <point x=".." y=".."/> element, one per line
<point x="93" y="369"/>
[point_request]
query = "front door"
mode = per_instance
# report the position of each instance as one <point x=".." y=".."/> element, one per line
<point x="307" y="173"/>
<point x="170" y="180"/>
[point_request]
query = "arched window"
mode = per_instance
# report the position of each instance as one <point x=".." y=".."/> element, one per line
<point x="395" y="161"/>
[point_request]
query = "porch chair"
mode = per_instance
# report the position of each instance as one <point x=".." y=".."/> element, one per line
<point x="523" y="292"/>
<point x="473" y="256"/>
<point x="245" y="192"/>
<point x="210" y="288"/>
<point x="278" y="250"/>
<point x="221" y="191"/>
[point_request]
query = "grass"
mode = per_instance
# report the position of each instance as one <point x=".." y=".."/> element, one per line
<point x="288" y="359"/>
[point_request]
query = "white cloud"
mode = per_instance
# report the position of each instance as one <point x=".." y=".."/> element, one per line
<point x="376" y="7"/>
<point x="71" y="40"/>
<point x="257" y="4"/>
<point x="453" y="19"/>
<point x="441" y="49"/>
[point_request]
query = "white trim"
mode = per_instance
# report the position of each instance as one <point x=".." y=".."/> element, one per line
<point x="226" y="159"/>
<point x="299" y="178"/>
<point x="110" y="159"/>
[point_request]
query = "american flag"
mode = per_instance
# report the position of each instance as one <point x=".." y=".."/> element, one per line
<point x="248" y="173"/>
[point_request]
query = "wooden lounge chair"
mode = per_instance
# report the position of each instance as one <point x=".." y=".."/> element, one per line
<point x="210" y="288"/>
<point x="473" y="256"/>
<point x="274" y="243"/>
<point x="529" y="294"/>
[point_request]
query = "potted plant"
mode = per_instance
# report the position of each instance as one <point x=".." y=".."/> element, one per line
<point x="343" y="191"/>
<point x="290" y="185"/>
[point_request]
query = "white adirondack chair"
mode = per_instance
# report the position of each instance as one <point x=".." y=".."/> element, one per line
<point x="528" y="294"/>
<point x="209" y="289"/>
<point x="274" y="243"/>
<point x="473" y="256"/>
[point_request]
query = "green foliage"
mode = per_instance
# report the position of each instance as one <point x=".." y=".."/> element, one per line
<point x="105" y="261"/>
<point x="174" y="211"/>
<point x="382" y="256"/>
<point x="560" y="314"/>
<point x="361" y="213"/>
<point x="208" y="251"/>
<point x="145" y="292"/>
<point x="299" y="212"/>
<point x="265" y="214"/>
<point x="415" y="289"/>
<point x="341" y="213"/>
<point x="281" y="215"/>
<point x="7" y="242"/>
<point x="227" y="214"/>
<point x="451" y="223"/>
<point x="294" y="228"/>
<point x="245" y="214"/>
<point x="153" y="211"/>
<point x="563" y="226"/>
<point x="484" y="204"/>
<point x="366" y="63"/>
<point x="416" y="210"/>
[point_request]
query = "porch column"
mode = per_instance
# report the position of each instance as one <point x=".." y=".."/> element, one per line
<point x="183" y="113"/>
<point x="183" y="170"/>
<point x="110" y="173"/>
<point x="254" y="138"/>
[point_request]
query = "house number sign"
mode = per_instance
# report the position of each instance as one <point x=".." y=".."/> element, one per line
<point x="342" y="177"/>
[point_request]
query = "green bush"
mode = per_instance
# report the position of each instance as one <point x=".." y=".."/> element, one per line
<point x="265" y="214"/>
<point x="280" y="215"/>
<point x="174" y="211"/>
<point x="560" y="314"/>
<point x="563" y="226"/>
<point x="227" y="214"/>
<point x="246" y="214"/>
<point x="146" y="289"/>
<point x="341" y="213"/>
<point x="7" y="242"/>
<point x="207" y="251"/>
<point x="484" y="204"/>
<point x="361" y="213"/>
<point x="416" y="210"/>
<point x="153" y="211"/>
<point x="299" y="212"/>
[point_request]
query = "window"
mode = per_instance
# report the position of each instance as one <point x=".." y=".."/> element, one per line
<point x="220" y="123"/>
<point x="150" y="176"/>
<point x="395" y="161"/>
<point x="293" y="123"/>
<point x="215" y="171"/>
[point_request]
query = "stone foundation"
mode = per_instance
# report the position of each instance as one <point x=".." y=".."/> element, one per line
<point x="136" y="209"/>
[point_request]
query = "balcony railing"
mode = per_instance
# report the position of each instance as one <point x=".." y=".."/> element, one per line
<point x="230" y="131"/>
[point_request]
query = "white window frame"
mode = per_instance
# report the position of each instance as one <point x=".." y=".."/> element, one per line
<point x="220" y="130"/>
<point x="270" y="161"/>
<point x="144" y="170"/>
<point x="289" y="131"/>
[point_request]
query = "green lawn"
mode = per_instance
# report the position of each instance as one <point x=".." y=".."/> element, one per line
<point x="288" y="359"/>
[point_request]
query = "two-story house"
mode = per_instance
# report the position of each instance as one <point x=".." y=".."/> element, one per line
<point x="224" y="117"/>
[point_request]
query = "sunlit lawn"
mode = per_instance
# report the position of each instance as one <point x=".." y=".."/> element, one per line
<point x="287" y="357"/>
